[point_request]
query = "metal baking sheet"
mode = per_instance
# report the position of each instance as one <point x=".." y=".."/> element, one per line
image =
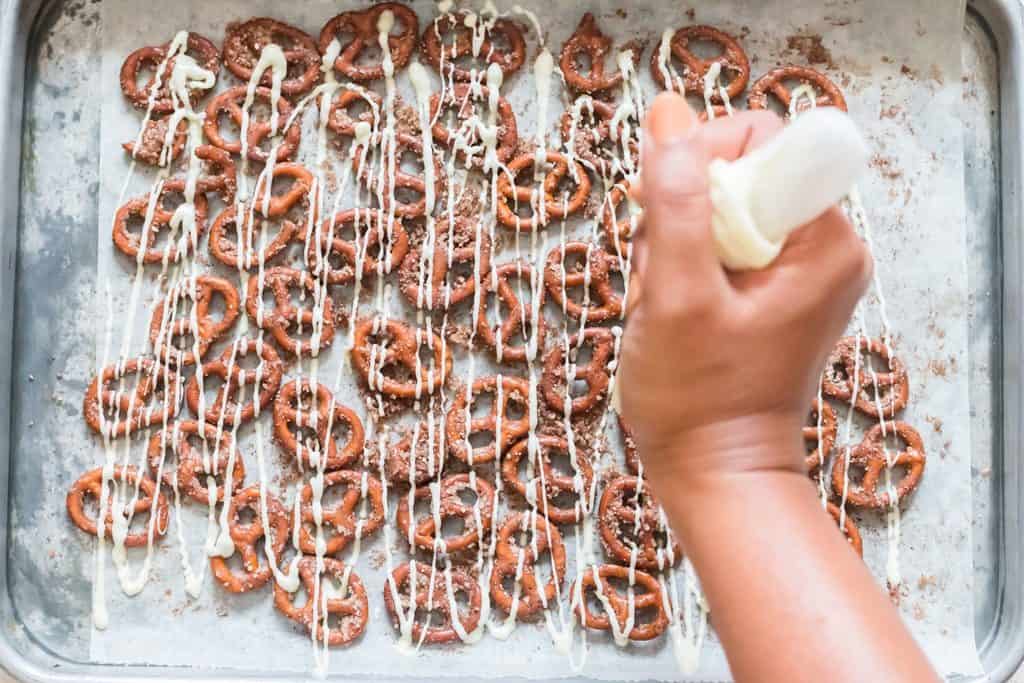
<point x="47" y="637"/>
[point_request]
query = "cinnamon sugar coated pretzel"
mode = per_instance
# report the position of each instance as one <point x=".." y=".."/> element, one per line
<point x="225" y="408"/>
<point x="256" y="570"/>
<point x="874" y="457"/>
<point x="231" y="102"/>
<point x="379" y="244"/>
<point x="648" y="599"/>
<point x="149" y="501"/>
<point x="827" y="93"/>
<point x="427" y="588"/>
<point x="156" y="219"/>
<point x="449" y="40"/>
<point x="155" y="95"/>
<point x="880" y="393"/>
<point x="212" y="457"/>
<point x="365" y="28"/>
<point x="410" y="416"/>
<point x="512" y="317"/>
<point x="589" y="40"/>
<point x="558" y="494"/>
<point x="524" y="539"/>
<point x="315" y="415"/>
<point x="244" y="42"/>
<point x="344" y="519"/>
<point x="117" y="401"/>
<point x="732" y="61"/>
<point x="424" y="532"/>
<point x="350" y="608"/>
<point x="314" y="316"/>
<point x="552" y="203"/>
<point x="505" y="427"/>
<point x="170" y="337"/>
<point x="630" y="523"/>
<point x="384" y="347"/>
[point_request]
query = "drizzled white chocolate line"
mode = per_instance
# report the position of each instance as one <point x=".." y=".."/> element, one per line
<point x="186" y="75"/>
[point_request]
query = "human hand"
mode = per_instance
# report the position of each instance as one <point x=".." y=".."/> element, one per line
<point x="718" y="369"/>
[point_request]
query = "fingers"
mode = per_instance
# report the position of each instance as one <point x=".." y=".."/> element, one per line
<point x="731" y="137"/>
<point x="675" y="239"/>
<point x="826" y="255"/>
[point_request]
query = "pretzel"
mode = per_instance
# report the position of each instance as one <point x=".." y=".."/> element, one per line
<point x="552" y="489"/>
<point x="195" y="465"/>
<point x="129" y="243"/>
<point x="871" y="455"/>
<point x="223" y="179"/>
<point x="589" y="40"/>
<point x="518" y="319"/>
<point x="823" y="412"/>
<point x="849" y="529"/>
<point x="342" y="122"/>
<point x="720" y="111"/>
<point x="204" y="52"/>
<point x="225" y="408"/>
<point x="733" y="60"/>
<point x="315" y="419"/>
<point x="514" y="390"/>
<point x="434" y="283"/>
<point x="337" y="257"/>
<point x="277" y="205"/>
<point x="618" y="233"/>
<point x="589" y="137"/>
<point x="632" y="451"/>
<point x="345" y="517"/>
<point x="530" y="535"/>
<point x="365" y="28"/>
<point x="224" y="238"/>
<point x="466" y="45"/>
<point x="429" y="458"/>
<point x="591" y="271"/>
<point x="91" y="484"/>
<point x="880" y="393"/>
<point x="244" y="43"/>
<point x="429" y="592"/>
<point x="287" y="318"/>
<point x="649" y="599"/>
<point x="170" y="336"/>
<point x="595" y="373"/>
<point x="547" y="204"/>
<point x="247" y="536"/>
<point x="390" y="346"/>
<point x="470" y="105"/>
<point x="629" y="521"/>
<point x="399" y="179"/>
<point x="350" y="613"/>
<point x="447" y="503"/>
<point x="230" y="102"/>
<point x="774" y="83"/>
<point x="126" y="411"/>
<point x="150" y="149"/>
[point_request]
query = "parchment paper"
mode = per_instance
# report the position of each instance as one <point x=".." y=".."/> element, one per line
<point x="899" y="66"/>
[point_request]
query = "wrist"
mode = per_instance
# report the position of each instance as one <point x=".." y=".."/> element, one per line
<point x="702" y="455"/>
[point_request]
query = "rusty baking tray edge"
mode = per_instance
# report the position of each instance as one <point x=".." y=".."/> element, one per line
<point x="1001" y="643"/>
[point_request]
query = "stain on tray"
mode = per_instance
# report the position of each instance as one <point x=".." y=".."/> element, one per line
<point x="811" y="49"/>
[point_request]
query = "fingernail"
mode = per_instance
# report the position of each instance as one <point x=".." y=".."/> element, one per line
<point x="670" y="118"/>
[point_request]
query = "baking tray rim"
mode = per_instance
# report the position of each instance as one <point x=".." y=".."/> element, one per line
<point x="1001" y="649"/>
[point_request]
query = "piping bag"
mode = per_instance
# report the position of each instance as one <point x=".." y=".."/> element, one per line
<point x="789" y="181"/>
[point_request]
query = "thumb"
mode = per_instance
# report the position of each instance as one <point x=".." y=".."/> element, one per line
<point x="676" y="231"/>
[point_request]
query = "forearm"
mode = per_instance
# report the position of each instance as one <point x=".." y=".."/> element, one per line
<point x="779" y="576"/>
